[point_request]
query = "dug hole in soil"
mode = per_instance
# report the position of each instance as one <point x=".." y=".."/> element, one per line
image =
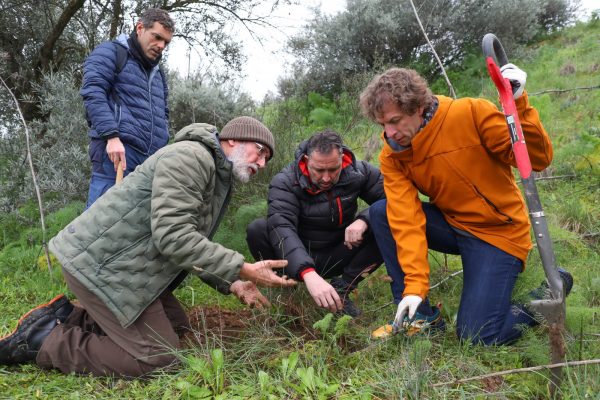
<point x="209" y="322"/>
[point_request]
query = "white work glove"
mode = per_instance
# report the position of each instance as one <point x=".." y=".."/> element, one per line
<point x="408" y="306"/>
<point x="517" y="78"/>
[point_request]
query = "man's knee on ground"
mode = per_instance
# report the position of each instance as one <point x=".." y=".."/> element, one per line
<point x="157" y="361"/>
<point x="256" y="227"/>
<point x="478" y="335"/>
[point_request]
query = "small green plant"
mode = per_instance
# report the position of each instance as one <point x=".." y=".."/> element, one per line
<point x="339" y="329"/>
<point x="212" y="375"/>
<point x="266" y="387"/>
<point x="288" y="366"/>
<point x="324" y="323"/>
<point x="312" y="385"/>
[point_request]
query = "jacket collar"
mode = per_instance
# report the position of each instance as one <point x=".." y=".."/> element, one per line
<point x="207" y="135"/>
<point x="423" y="141"/>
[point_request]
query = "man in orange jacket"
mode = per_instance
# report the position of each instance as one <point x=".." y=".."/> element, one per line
<point x="457" y="153"/>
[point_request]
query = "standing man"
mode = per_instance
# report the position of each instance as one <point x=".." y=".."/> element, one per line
<point x="313" y="223"/>
<point x="457" y="153"/>
<point x="125" y="255"/>
<point x="125" y="96"/>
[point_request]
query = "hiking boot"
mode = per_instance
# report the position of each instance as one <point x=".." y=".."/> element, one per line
<point x="344" y="289"/>
<point x="543" y="291"/>
<point x="23" y="344"/>
<point x="420" y="324"/>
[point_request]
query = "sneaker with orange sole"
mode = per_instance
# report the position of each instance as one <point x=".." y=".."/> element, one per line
<point x="418" y="325"/>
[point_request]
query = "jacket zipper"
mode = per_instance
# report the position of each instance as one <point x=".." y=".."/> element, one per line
<point x="150" y="78"/>
<point x="118" y="254"/>
<point x="508" y="218"/>
<point x="339" y="204"/>
<point x="331" y="207"/>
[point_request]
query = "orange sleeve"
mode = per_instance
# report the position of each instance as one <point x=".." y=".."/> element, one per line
<point x="538" y="142"/>
<point x="407" y="222"/>
<point x="493" y="130"/>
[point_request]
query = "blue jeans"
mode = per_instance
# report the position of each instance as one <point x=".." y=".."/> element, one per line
<point x="486" y="314"/>
<point x="103" y="170"/>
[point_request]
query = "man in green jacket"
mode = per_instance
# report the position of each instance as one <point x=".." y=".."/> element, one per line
<point x="125" y="255"/>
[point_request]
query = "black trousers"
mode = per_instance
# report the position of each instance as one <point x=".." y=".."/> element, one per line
<point x="352" y="264"/>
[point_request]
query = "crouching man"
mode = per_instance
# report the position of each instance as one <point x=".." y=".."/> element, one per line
<point x="458" y="153"/>
<point x="313" y="221"/>
<point x="125" y="255"/>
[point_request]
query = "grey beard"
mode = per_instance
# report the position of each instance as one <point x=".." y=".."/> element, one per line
<point x="240" y="167"/>
<point x="241" y="174"/>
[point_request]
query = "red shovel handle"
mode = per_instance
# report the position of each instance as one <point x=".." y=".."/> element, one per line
<point x="493" y="50"/>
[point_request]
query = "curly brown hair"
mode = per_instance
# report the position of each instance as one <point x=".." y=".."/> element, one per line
<point x="403" y="86"/>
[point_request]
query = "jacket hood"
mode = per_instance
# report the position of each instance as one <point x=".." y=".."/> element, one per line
<point x="301" y="151"/>
<point x="122" y="40"/>
<point x="204" y="133"/>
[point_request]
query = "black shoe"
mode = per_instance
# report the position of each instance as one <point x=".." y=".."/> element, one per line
<point x="344" y="289"/>
<point x="543" y="291"/>
<point x="23" y="344"/>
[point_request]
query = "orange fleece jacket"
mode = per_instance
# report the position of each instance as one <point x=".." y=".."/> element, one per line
<point x="462" y="161"/>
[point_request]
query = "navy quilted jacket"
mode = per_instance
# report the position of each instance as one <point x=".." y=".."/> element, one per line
<point x="140" y="115"/>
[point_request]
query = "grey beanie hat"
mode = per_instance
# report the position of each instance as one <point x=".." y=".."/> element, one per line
<point x="250" y="130"/>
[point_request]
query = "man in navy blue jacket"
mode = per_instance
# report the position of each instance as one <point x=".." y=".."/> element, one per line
<point x="125" y="97"/>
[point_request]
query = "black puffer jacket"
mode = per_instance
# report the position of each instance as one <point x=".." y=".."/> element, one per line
<point x="301" y="217"/>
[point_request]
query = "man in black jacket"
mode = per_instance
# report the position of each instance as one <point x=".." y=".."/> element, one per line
<point x="313" y="223"/>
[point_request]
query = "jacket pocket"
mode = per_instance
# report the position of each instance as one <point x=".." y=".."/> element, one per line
<point x="499" y="217"/>
<point x="124" y="251"/>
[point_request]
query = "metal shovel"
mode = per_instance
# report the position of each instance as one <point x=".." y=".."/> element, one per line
<point x="552" y="309"/>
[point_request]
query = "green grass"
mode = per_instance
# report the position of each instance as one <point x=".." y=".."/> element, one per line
<point x="281" y="355"/>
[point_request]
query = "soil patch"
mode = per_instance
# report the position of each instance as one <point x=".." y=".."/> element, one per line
<point x="224" y="325"/>
<point x="213" y="322"/>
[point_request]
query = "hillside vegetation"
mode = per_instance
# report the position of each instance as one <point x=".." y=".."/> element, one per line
<point x="297" y="351"/>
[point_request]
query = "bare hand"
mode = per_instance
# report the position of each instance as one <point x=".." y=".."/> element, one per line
<point x="322" y="292"/>
<point x="353" y="235"/>
<point x="249" y="294"/>
<point x="116" y="152"/>
<point x="262" y="273"/>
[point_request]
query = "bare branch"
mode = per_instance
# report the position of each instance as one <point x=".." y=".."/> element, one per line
<point x="450" y="87"/>
<point x="446" y="278"/>
<point x="547" y="178"/>
<point x="518" y="370"/>
<point x="45" y="55"/>
<point x="564" y="90"/>
<point x="116" y="18"/>
<point x="37" y="188"/>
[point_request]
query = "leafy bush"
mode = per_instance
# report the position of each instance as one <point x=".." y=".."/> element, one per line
<point x="194" y="100"/>
<point x="58" y="148"/>
<point x="365" y="38"/>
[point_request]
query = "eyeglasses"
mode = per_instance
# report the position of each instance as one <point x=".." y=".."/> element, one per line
<point x="263" y="151"/>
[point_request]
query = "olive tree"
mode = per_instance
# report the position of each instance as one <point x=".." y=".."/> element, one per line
<point x="42" y="48"/>
<point x="371" y="34"/>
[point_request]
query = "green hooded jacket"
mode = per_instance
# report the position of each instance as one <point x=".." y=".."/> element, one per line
<point x="140" y="235"/>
